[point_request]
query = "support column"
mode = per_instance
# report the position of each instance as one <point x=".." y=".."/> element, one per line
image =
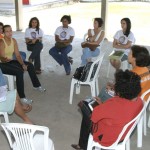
<point x="19" y="15"/>
<point x="104" y="12"/>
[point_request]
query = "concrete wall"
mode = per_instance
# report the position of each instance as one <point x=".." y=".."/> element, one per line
<point x="7" y="1"/>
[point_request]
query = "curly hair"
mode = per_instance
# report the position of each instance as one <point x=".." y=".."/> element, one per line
<point x="100" y="21"/>
<point x="127" y="84"/>
<point x="38" y="23"/>
<point x="128" y="22"/>
<point x="67" y="17"/>
<point x="141" y="55"/>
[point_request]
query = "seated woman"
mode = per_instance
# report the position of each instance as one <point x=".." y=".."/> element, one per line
<point x="125" y="105"/>
<point x="95" y="36"/>
<point x="63" y="36"/>
<point x="33" y="37"/>
<point x="123" y="39"/>
<point x="8" y="46"/>
<point x="10" y="101"/>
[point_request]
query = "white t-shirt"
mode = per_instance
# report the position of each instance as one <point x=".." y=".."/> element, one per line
<point x="33" y="34"/>
<point x="123" y="39"/>
<point x="64" y="33"/>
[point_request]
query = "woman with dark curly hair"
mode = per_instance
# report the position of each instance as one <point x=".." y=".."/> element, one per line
<point x="111" y="116"/>
<point x="63" y="36"/>
<point x="33" y="37"/>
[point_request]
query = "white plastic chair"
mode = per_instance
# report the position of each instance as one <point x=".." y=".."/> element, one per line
<point x="93" y="83"/>
<point x="27" y="137"/>
<point x="125" y="145"/>
<point x="41" y="58"/>
<point x="5" y="116"/>
<point x="11" y="79"/>
<point x="143" y="125"/>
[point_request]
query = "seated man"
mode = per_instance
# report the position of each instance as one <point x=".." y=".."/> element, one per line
<point x="139" y="58"/>
<point x="126" y="104"/>
<point x="10" y="101"/>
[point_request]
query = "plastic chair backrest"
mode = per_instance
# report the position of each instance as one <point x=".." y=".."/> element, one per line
<point x="97" y="62"/>
<point x="129" y="127"/>
<point x="23" y="135"/>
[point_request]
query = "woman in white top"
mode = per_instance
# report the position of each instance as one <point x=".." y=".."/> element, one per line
<point x="33" y="37"/>
<point x="95" y="36"/>
<point x="64" y="36"/>
<point x="123" y="39"/>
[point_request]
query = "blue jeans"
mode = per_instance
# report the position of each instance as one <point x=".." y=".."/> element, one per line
<point x="60" y="55"/>
<point x="87" y="54"/>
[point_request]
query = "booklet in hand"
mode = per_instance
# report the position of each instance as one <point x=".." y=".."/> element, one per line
<point x="116" y="55"/>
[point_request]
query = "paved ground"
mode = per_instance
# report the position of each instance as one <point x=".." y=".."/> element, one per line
<point x="52" y="108"/>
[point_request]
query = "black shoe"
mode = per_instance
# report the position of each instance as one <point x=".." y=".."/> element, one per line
<point x="76" y="146"/>
<point x="67" y="73"/>
<point x="70" y="59"/>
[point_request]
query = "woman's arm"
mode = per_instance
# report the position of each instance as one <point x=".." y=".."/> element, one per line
<point x="67" y="41"/>
<point x="118" y="45"/>
<point x="92" y="38"/>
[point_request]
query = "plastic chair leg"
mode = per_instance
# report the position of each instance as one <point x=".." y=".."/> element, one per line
<point x="144" y="122"/>
<point x="42" y="60"/>
<point x="71" y="92"/>
<point x="97" y="87"/>
<point x="149" y="121"/>
<point x="139" y="132"/>
<point x="128" y="144"/>
<point x="6" y="117"/>
<point x="93" y="90"/>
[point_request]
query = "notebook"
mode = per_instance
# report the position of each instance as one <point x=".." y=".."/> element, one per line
<point x="117" y="55"/>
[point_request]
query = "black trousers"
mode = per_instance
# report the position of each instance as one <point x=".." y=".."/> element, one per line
<point x="85" y="130"/>
<point x="14" y="68"/>
<point x="35" y="55"/>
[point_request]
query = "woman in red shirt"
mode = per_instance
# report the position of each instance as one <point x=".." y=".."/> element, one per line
<point x="111" y="116"/>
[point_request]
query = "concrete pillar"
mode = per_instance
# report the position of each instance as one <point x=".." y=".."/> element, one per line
<point x="19" y="15"/>
<point x="104" y="12"/>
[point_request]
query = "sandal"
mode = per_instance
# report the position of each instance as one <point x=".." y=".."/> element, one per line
<point x="70" y="59"/>
<point x="27" y="108"/>
<point x="38" y="71"/>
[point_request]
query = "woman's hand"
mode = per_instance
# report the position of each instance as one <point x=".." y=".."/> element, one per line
<point x="25" y="67"/>
<point x="98" y="100"/>
<point x="5" y="59"/>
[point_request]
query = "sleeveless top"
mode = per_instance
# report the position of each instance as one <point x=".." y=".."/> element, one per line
<point x="9" y="49"/>
<point x="98" y="35"/>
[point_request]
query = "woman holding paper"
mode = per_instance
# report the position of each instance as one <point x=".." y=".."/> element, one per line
<point x="123" y="40"/>
<point x="90" y="46"/>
